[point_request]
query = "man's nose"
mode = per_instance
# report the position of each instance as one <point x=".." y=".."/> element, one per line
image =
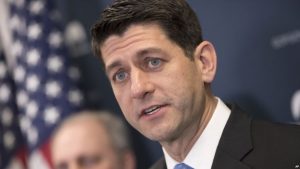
<point x="141" y="85"/>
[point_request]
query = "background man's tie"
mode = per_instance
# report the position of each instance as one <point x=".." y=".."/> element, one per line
<point x="182" y="166"/>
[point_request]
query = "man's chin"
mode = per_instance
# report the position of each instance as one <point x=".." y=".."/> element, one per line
<point x="159" y="136"/>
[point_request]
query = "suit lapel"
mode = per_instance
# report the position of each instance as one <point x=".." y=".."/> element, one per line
<point x="160" y="164"/>
<point x="235" y="142"/>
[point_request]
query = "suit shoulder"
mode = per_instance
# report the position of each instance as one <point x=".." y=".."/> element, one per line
<point x="274" y="130"/>
<point x="278" y="142"/>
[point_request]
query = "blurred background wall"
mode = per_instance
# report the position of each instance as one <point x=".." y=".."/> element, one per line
<point x="258" y="47"/>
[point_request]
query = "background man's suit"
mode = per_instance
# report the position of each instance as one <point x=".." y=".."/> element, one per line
<point x="254" y="144"/>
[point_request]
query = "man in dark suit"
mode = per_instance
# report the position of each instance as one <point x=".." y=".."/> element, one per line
<point x="161" y="69"/>
<point x="254" y="144"/>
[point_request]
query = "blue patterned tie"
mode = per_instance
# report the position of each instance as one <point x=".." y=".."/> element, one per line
<point x="182" y="166"/>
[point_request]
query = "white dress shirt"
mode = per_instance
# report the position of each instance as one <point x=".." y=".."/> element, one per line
<point x="203" y="151"/>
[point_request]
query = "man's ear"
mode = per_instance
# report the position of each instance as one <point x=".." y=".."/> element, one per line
<point x="206" y="58"/>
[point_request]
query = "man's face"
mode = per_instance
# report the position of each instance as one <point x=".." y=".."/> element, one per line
<point x="84" y="145"/>
<point x="158" y="88"/>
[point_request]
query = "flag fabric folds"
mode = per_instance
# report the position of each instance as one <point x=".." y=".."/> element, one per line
<point x="38" y="84"/>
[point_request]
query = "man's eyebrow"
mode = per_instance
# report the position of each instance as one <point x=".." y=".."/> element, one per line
<point x="148" y="50"/>
<point x="111" y="66"/>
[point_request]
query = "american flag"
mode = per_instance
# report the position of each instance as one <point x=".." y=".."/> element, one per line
<point x="38" y="84"/>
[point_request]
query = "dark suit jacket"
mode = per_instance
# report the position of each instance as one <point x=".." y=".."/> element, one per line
<point x="253" y="144"/>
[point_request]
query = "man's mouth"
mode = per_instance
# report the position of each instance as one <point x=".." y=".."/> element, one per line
<point x="151" y="110"/>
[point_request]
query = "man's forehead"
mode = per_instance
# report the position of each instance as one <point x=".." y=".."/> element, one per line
<point x="131" y="32"/>
<point x="115" y="42"/>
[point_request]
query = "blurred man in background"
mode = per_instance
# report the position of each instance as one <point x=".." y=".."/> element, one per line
<point x="94" y="140"/>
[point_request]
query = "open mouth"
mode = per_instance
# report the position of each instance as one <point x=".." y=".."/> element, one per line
<point x="151" y="110"/>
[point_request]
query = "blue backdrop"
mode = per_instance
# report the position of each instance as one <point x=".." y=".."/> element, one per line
<point x="258" y="47"/>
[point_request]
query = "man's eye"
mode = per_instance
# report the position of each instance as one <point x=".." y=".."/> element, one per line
<point x="120" y="76"/>
<point x="89" y="162"/>
<point x="154" y="63"/>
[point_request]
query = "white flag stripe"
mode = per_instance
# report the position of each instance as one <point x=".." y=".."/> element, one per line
<point x="37" y="161"/>
<point x="5" y="33"/>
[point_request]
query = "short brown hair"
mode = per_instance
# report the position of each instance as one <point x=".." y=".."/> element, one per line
<point x="175" y="17"/>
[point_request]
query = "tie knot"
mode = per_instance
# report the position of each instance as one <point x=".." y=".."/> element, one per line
<point x="182" y="166"/>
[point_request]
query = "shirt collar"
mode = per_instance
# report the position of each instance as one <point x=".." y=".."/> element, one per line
<point x="203" y="151"/>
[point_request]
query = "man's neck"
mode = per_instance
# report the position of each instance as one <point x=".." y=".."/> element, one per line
<point x="179" y="148"/>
